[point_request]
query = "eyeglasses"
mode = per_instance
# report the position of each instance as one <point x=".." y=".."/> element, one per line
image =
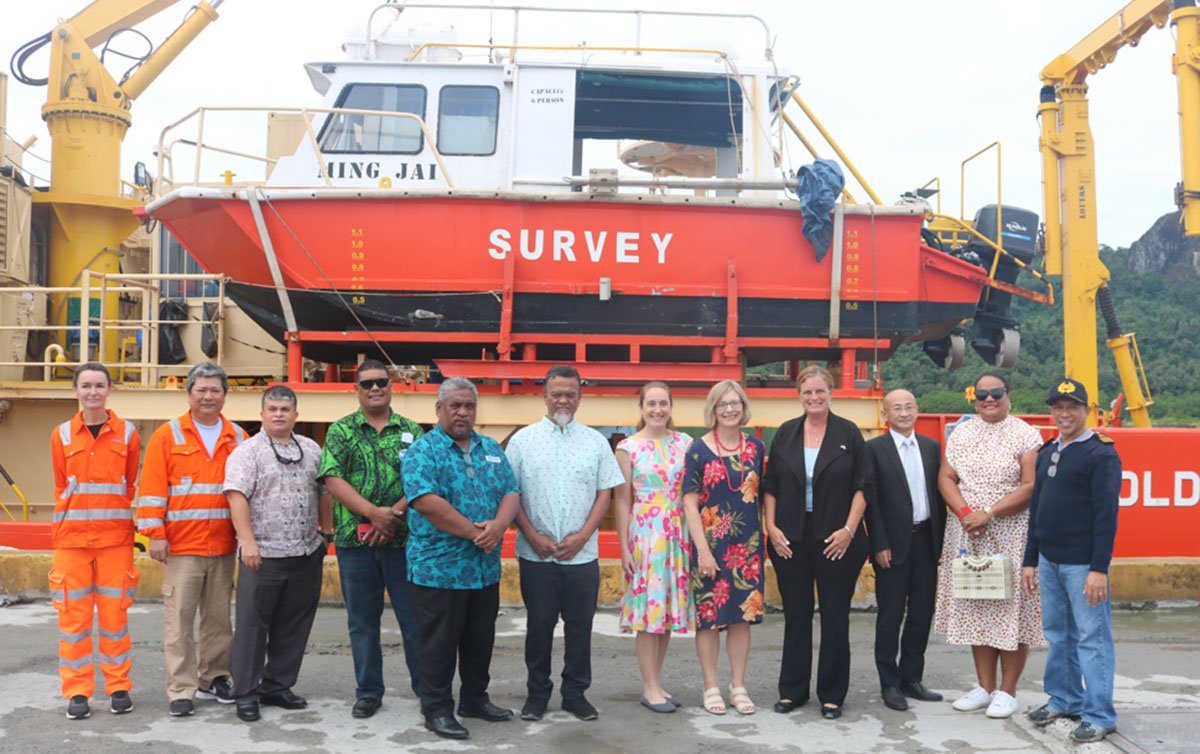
<point x="1053" y="470"/>
<point x="729" y="405"/>
<point x="995" y="394"/>
<point x="379" y="382"/>
<point x="283" y="459"/>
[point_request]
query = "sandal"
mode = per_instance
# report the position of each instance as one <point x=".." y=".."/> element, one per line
<point x="714" y="703"/>
<point x="741" y="700"/>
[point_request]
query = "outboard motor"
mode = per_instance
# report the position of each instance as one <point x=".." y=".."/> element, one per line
<point x="997" y="335"/>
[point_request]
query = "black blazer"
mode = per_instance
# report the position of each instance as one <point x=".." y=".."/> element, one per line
<point x="840" y="471"/>
<point x="889" y="503"/>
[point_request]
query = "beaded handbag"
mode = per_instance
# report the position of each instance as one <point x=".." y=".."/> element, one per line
<point x="981" y="577"/>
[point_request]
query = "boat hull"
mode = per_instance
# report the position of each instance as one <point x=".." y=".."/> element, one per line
<point x="623" y="267"/>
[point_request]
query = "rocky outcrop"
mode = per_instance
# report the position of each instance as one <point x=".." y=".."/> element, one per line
<point x="1163" y="247"/>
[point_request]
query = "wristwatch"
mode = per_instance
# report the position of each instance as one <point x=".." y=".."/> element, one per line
<point x="988" y="510"/>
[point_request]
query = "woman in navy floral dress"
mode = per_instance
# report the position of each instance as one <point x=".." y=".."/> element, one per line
<point x="721" y="498"/>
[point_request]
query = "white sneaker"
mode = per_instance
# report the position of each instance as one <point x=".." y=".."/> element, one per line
<point x="1003" y="705"/>
<point x="975" y="699"/>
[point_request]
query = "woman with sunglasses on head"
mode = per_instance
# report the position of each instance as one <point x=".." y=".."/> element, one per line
<point x="650" y="526"/>
<point x="720" y="495"/>
<point x="814" y="503"/>
<point x="987" y="480"/>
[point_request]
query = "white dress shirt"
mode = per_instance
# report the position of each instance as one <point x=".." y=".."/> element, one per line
<point x="914" y="471"/>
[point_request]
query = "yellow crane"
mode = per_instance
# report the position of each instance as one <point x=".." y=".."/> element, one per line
<point x="87" y="112"/>
<point x="1068" y="174"/>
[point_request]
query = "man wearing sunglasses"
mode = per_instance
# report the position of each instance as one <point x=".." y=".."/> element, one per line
<point x="1072" y="526"/>
<point x="280" y="512"/>
<point x="360" y="465"/>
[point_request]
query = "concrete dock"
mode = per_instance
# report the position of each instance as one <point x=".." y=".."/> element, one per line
<point x="1158" y="698"/>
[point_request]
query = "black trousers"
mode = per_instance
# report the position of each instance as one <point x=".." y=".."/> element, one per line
<point x="906" y="594"/>
<point x="835" y="581"/>
<point x="551" y="591"/>
<point x="276" y="606"/>
<point x="455" y="625"/>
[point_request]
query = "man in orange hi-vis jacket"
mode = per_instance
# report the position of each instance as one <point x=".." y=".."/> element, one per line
<point x="95" y="459"/>
<point x="183" y="512"/>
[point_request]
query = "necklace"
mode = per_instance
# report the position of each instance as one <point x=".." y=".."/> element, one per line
<point x="738" y="450"/>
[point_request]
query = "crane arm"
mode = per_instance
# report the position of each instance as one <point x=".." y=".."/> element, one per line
<point x="1098" y="49"/>
<point x="76" y="74"/>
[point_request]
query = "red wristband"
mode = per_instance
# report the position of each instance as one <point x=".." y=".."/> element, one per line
<point x="963" y="512"/>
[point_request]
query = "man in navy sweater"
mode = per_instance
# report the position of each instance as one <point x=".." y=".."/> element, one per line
<point x="1072" y="525"/>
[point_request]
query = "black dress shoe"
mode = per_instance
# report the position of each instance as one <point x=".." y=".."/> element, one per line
<point x="784" y="706"/>
<point x="917" y="690"/>
<point x="486" y="711"/>
<point x="831" y="713"/>
<point x="285" y="699"/>
<point x="365" y="706"/>
<point x="534" y="709"/>
<point x="247" y="711"/>
<point x="446" y="726"/>
<point x="894" y="699"/>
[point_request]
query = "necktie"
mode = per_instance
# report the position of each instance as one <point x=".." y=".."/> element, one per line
<point x="908" y="455"/>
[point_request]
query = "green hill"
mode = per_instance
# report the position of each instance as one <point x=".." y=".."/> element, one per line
<point x="1160" y="307"/>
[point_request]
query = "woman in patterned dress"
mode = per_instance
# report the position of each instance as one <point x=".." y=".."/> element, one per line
<point x="987" y="480"/>
<point x="649" y="517"/>
<point x="722" y="502"/>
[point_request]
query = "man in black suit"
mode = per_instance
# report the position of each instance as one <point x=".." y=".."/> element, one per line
<point x="906" y="517"/>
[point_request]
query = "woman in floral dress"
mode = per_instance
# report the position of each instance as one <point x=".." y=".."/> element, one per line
<point x="649" y="517"/>
<point x="721" y="499"/>
<point x="987" y="481"/>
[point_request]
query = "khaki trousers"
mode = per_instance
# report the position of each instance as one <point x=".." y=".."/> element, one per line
<point x="191" y="583"/>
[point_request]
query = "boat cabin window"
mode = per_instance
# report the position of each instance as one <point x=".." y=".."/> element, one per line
<point x="376" y="134"/>
<point x="467" y="117"/>
<point x="698" y="110"/>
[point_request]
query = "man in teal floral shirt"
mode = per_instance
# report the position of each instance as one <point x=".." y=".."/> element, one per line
<point x="464" y="496"/>
<point x="361" y="468"/>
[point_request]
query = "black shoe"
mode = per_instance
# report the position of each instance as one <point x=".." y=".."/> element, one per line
<point x="120" y="703"/>
<point x="365" y="706"/>
<point x="285" y="699"/>
<point x="917" y="690"/>
<point x="247" y="711"/>
<point x="486" y="711"/>
<point x="580" y="708"/>
<point x="534" y="709"/>
<point x="446" y="726"/>
<point x="785" y="706"/>
<point x="893" y="699"/>
<point x="182" y="708"/>
<point x="78" y="708"/>
<point x="831" y="713"/>
<point x="1046" y="714"/>
<point x="219" y="691"/>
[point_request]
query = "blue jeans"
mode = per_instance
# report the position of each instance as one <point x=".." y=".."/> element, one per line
<point x="1082" y="660"/>
<point x="365" y="573"/>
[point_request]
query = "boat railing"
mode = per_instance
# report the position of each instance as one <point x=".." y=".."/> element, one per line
<point x="638" y="15"/>
<point x="140" y="335"/>
<point x="170" y="138"/>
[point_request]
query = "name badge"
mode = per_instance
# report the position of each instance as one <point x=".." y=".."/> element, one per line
<point x="406" y="437"/>
<point x="493" y="459"/>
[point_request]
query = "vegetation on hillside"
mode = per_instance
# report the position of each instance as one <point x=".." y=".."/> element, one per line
<point x="1162" y="308"/>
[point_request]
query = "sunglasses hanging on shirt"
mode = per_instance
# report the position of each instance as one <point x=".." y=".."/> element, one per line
<point x="284" y="459"/>
<point x="1053" y="470"/>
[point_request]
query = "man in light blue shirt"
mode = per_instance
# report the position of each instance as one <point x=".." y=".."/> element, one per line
<point x="566" y="472"/>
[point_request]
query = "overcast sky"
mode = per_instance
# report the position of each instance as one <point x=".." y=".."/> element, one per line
<point x="908" y="89"/>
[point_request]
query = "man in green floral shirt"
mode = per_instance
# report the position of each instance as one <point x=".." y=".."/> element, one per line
<point x="360" y="466"/>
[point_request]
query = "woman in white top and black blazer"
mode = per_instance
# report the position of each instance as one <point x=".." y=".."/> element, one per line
<point x="826" y="545"/>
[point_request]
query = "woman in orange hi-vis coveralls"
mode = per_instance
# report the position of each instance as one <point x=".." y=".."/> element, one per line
<point x="95" y="457"/>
